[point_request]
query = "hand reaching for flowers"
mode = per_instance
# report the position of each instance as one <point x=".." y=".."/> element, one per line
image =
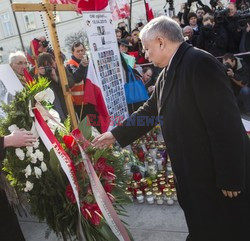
<point x="104" y="140"/>
<point x="19" y="138"/>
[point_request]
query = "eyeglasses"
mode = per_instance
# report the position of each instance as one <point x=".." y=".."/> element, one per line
<point x="22" y="63"/>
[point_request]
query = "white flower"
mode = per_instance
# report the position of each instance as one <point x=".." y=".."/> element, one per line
<point x="28" y="171"/>
<point x="38" y="172"/>
<point x="39" y="155"/>
<point x="20" y="154"/>
<point x="13" y="128"/>
<point x="36" y="144"/>
<point x="45" y="95"/>
<point x="29" y="186"/>
<point x="33" y="158"/>
<point x="54" y="124"/>
<point x="29" y="150"/>
<point x="55" y="115"/>
<point x="44" y="167"/>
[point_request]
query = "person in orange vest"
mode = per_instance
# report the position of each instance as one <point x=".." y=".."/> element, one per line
<point x="78" y="66"/>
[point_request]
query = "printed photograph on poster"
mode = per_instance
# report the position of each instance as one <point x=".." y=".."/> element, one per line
<point x="94" y="46"/>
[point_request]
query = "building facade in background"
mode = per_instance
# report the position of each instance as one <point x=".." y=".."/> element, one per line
<point x="68" y="23"/>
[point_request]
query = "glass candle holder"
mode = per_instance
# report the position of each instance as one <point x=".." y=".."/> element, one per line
<point x="169" y="198"/>
<point x="139" y="197"/>
<point x="159" y="198"/>
<point x="174" y="195"/>
<point x="150" y="197"/>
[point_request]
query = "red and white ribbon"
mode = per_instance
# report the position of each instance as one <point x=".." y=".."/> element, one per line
<point x="50" y="142"/>
<point x="102" y="199"/>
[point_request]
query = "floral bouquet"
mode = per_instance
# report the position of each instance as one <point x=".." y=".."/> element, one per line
<point x="36" y="172"/>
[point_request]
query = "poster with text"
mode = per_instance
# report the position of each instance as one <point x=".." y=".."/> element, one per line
<point x="9" y="85"/>
<point x="107" y="62"/>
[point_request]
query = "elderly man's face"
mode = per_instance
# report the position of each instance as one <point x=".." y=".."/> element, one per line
<point x="188" y="33"/>
<point x="19" y="64"/>
<point x="153" y="52"/>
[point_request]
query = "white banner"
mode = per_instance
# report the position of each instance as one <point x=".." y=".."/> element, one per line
<point x="9" y="85"/>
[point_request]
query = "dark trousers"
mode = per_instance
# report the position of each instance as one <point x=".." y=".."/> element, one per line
<point x="9" y="226"/>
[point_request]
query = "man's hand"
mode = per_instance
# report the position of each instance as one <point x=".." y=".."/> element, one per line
<point x="230" y="193"/>
<point x="19" y="139"/>
<point x="85" y="61"/>
<point x="151" y="88"/>
<point x="104" y="140"/>
<point x="230" y="73"/>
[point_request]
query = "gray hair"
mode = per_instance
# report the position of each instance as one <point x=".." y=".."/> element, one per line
<point x="164" y="27"/>
<point x="187" y="28"/>
<point x="14" y="55"/>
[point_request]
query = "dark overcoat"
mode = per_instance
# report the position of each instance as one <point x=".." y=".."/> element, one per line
<point x="9" y="226"/>
<point x="206" y="141"/>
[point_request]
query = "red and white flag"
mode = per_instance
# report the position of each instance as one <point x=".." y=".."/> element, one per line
<point x="93" y="95"/>
<point x="149" y="11"/>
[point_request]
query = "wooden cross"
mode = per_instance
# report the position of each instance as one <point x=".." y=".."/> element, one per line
<point x="49" y="8"/>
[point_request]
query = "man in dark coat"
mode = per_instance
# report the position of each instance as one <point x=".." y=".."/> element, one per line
<point x="213" y="37"/>
<point x="9" y="226"/>
<point x="202" y="128"/>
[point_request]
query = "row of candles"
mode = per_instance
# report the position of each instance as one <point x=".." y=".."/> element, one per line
<point x="153" y="191"/>
<point x="157" y="186"/>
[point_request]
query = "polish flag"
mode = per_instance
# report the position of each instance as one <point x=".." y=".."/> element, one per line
<point x="93" y="95"/>
<point x="149" y="11"/>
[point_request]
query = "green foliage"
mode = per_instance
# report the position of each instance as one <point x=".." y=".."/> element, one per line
<point x="85" y="127"/>
<point x="47" y="199"/>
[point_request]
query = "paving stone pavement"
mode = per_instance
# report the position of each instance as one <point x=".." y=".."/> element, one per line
<point x="146" y="223"/>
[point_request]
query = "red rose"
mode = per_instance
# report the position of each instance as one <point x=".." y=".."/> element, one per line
<point x="71" y="144"/>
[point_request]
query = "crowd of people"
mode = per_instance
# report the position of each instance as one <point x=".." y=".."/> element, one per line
<point x="220" y="30"/>
<point x="223" y="31"/>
